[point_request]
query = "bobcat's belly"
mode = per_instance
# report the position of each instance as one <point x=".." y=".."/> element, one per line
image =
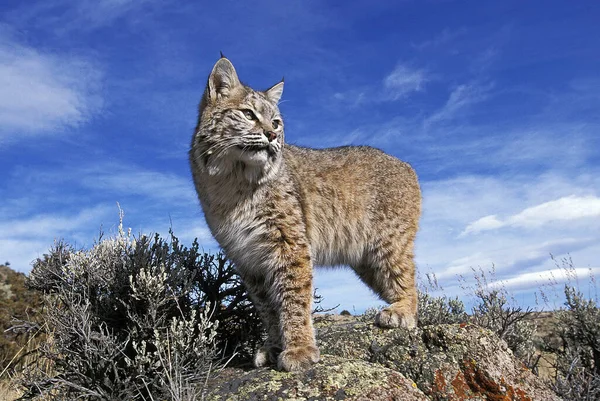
<point x="337" y="244"/>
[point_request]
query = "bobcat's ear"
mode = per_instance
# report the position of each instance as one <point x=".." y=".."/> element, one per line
<point x="222" y="80"/>
<point x="274" y="92"/>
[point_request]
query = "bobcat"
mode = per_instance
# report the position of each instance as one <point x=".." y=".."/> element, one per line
<point x="278" y="209"/>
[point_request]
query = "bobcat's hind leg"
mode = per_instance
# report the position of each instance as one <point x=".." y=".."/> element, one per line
<point x="399" y="314"/>
<point x="390" y="271"/>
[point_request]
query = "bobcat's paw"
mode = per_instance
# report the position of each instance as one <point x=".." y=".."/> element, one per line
<point x="266" y="355"/>
<point x="297" y="358"/>
<point x="390" y="317"/>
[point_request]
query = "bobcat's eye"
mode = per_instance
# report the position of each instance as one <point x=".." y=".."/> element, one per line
<point x="276" y="124"/>
<point x="249" y="114"/>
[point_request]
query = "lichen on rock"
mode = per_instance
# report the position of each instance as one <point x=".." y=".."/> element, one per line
<point x="458" y="361"/>
<point x="334" y="378"/>
<point x="363" y="362"/>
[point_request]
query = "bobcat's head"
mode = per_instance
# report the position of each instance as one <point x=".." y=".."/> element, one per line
<point x="239" y="130"/>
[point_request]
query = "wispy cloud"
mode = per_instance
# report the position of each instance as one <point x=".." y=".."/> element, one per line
<point x="484" y="60"/>
<point x="43" y="93"/>
<point x="509" y="257"/>
<point x="446" y="37"/>
<point x="51" y="224"/>
<point x="153" y="202"/>
<point x="61" y="17"/>
<point x="135" y="181"/>
<point x="24" y="239"/>
<point x="538" y="279"/>
<point x="103" y="12"/>
<point x="552" y="226"/>
<point x="399" y="84"/>
<point x="114" y="181"/>
<point x="559" y="210"/>
<point x="459" y="101"/>
<point x="352" y="98"/>
<point x="403" y="81"/>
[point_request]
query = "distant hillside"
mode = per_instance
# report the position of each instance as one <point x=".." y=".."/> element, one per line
<point x="18" y="302"/>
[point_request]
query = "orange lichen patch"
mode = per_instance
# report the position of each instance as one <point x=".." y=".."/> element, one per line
<point x="461" y="388"/>
<point x="514" y="393"/>
<point x="439" y="382"/>
<point x="473" y="381"/>
<point x="522" y="396"/>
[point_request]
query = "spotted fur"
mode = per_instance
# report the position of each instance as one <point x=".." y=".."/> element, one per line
<point x="278" y="209"/>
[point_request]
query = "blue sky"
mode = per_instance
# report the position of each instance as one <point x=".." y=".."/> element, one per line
<point x="495" y="104"/>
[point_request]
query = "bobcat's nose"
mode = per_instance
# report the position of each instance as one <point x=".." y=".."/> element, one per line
<point x="271" y="136"/>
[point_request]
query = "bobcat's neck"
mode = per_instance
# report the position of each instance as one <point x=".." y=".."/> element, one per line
<point x="235" y="184"/>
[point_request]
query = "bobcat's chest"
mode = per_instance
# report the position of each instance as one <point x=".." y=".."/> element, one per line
<point x="241" y="229"/>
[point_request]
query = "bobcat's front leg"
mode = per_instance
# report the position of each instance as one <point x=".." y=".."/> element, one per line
<point x="259" y="294"/>
<point x="294" y="280"/>
<point x="280" y="286"/>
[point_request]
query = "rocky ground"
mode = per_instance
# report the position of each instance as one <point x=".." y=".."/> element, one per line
<point x="363" y="362"/>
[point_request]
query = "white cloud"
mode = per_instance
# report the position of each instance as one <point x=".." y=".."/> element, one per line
<point x="134" y="181"/>
<point x="403" y="81"/>
<point x="553" y="276"/>
<point x="102" y="12"/>
<point x="42" y="93"/>
<point x="459" y="101"/>
<point x="44" y="210"/>
<point x="20" y="253"/>
<point x="453" y="204"/>
<point x="48" y="225"/>
<point x="195" y="229"/>
<point x="117" y="181"/>
<point x="564" y="209"/>
<point x="484" y="224"/>
<point x="62" y="17"/>
<point x="549" y="284"/>
<point x="399" y="84"/>
<point x="24" y="239"/>
<point x="511" y="254"/>
<point x="353" y="98"/>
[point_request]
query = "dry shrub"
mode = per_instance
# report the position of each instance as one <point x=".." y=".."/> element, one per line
<point x="438" y="310"/>
<point x="137" y="319"/>
<point x="577" y="351"/>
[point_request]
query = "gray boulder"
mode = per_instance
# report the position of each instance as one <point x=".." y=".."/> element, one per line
<point x="363" y="362"/>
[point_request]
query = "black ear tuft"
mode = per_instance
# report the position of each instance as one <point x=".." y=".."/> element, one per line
<point x="222" y="55"/>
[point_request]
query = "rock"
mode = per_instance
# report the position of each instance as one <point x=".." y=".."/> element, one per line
<point x="363" y="362"/>
<point x="334" y="378"/>
<point x="447" y="362"/>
